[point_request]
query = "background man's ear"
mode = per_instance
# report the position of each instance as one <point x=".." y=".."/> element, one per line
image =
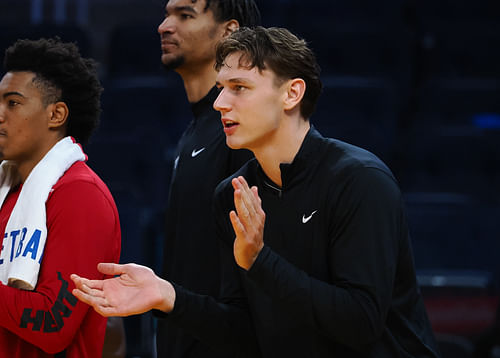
<point x="231" y="26"/>
<point x="58" y="114"/>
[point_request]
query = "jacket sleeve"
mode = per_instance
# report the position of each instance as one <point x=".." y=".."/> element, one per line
<point x="365" y="223"/>
<point x="224" y="323"/>
<point x="83" y="230"/>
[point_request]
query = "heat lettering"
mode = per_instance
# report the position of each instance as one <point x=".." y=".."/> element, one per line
<point x="53" y="319"/>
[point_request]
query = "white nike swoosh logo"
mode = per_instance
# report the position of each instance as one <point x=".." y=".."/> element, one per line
<point x="306" y="219"/>
<point x="196" y="152"/>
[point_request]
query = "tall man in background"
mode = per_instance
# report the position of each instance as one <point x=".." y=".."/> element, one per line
<point x="189" y="35"/>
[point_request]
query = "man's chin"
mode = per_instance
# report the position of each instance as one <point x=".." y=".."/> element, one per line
<point x="173" y="63"/>
<point x="232" y="144"/>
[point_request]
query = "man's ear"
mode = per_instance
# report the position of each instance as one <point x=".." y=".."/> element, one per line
<point x="230" y="27"/>
<point x="295" y="90"/>
<point x="58" y="115"/>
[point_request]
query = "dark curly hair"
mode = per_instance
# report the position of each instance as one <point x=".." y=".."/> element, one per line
<point x="62" y="75"/>
<point x="245" y="12"/>
<point x="280" y="51"/>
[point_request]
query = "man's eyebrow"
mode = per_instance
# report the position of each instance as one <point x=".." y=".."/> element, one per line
<point x="239" y="80"/>
<point x="186" y="8"/>
<point x="234" y="80"/>
<point x="13" y="93"/>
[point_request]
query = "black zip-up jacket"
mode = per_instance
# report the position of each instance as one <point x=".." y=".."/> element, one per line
<point x="335" y="277"/>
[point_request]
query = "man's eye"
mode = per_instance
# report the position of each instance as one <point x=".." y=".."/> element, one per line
<point x="239" y="88"/>
<point x="12" y="103"/>
<point x="187" y="16"/>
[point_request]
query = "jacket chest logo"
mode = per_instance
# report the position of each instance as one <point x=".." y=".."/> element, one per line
<point x="305" y="219"/>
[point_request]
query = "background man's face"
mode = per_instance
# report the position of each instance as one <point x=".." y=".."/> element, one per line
<point x="188" y="34"/>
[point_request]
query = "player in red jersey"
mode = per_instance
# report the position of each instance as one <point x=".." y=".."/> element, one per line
<point x="50" y="98"/>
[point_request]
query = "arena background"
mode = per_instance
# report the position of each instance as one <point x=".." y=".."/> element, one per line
<point x="415" y="81"/>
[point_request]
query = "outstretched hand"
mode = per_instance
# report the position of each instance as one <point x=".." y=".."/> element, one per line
<point x="135" y="289"/>
<point x="248" y="223"/>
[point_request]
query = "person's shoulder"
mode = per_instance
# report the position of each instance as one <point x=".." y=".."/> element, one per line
<point x="361" y="172"/>
<point x="348" y="158"/>
<point x="79" y="171"/>
<point x="80" y="175"/>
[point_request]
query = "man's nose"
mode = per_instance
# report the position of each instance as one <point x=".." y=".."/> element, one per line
<point x="221" y="104"/>
<point x="167" y="25"/>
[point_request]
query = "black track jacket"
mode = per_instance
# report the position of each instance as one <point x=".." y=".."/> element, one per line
<point x="336" y="276"/>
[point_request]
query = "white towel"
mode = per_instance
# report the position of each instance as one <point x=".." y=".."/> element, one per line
<point x="26" y="230"/>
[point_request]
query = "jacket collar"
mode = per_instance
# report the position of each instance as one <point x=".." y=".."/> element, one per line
<point x="297" y="170"/>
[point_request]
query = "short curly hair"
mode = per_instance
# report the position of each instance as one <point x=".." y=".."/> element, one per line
<point x="62" y="75"/>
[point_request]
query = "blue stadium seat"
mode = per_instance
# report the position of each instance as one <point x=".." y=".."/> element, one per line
<point x="461" y="49"/>
<point x="456" y="38"/>
<point x="453" y="143"/>
<point x="361" y="50"/>
<point x="357" y="38"/>
<point x="458" y="103"/>
<point x="453" y="231"/>
<point x="461" y="162"/>
<point x="359" y="111"/>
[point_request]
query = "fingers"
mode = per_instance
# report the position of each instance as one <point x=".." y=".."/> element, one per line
<point x="105" y="268"/>
<point x="246" y="200"/>
<point x="87" y="289"/>
<point x="99" y="304"/>
<point x="238" y="227"/>
<point x="248" y="223"/>
<point x="81" y="281"/>
<point x="89" y="296"/>
<point x="255" y="192"/>
<point x="111" y="268"/>
<point x="94" y="297"/>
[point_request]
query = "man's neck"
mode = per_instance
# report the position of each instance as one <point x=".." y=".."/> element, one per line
<point x="283" y="149"/>
<point x="198" y="83"/>
<point x="25" y="167"/>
